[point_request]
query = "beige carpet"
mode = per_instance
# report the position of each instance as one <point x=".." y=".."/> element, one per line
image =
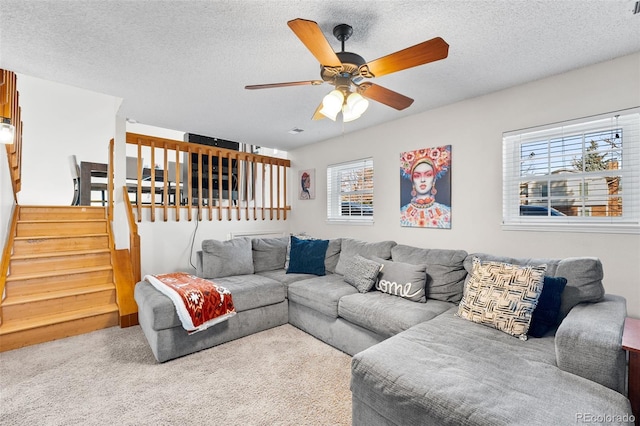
<point x="281" y="376"/>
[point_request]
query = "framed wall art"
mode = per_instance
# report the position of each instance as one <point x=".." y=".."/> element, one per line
<point x="425" y="188"/>
<point x="307" y="189"/>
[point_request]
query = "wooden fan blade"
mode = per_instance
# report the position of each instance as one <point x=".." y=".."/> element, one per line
<point x="384" y="96"/>
<point x="420" y="54"/>
<point x="291" y="83"/>
<point x="317" y="115"/>
<point x="311" y="36"/>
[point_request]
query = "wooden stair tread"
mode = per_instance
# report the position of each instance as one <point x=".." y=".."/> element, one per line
<point x="14" y="277"/>
<point x="55" y="294"/>
<point x="59" y="254"/>
<point x="60" y="220"/>
<point x="42" y="237"/>
<point x="14" y="326"/>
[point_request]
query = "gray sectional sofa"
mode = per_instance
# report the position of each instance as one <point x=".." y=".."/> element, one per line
<point x="417" y="361"/>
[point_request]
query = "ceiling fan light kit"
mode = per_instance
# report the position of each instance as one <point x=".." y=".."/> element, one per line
<point x="346" y="70"/>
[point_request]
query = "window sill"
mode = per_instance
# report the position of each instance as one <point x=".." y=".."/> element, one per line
<point x="601" y="228"/>
<point x="358" y="222"/>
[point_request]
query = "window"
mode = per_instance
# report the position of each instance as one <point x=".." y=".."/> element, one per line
<point x="579" y="176"/>
<point x="350" y="191"/>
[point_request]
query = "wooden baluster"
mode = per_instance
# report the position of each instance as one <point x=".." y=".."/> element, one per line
<point x="189" y="184"/>
<point x="199" y="184"/>
<point x="219" y="155"/>
<point x="284" y="195"/>
<point x="229" y="181"/>
<point x="153" y="181"/>
<point x="210" y="184"/>
<point x="237" y="186"/>
<point x="270" y="190"/>
<point x="264" y="188"/>
<point x="139" y="182"/>
<point x="165" y="188"/>
<point x="177" y="196"/>
<point x="277" y="191"/>
<point x="245" y="186"/>
<point x="254" y="170"/>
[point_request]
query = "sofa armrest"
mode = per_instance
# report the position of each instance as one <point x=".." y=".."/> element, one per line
<point x="199" y="267"/>
<point x="589" y="342"/>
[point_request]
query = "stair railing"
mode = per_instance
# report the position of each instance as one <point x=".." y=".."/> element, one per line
<point x="134" y="238"/>
<point x="198" y="178"/>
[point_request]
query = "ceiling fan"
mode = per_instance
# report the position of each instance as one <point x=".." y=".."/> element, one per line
<point x="346" y="71"/>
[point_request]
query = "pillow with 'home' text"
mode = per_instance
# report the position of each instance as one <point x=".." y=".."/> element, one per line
<point x="402" y="279"/>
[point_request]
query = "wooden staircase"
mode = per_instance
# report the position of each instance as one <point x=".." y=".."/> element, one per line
<point x="61" y="276"/>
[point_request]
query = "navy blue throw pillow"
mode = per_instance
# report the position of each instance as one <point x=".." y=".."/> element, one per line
<point x="545" y="316"/>
<point x="307" y="256"/>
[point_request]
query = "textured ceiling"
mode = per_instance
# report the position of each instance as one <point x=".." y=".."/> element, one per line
<point x="183" y="65"/>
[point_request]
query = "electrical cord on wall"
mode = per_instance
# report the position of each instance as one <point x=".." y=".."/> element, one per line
<point x="192" y="242"/>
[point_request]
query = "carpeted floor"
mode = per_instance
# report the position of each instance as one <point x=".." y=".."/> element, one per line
<point x="281" y="376"/>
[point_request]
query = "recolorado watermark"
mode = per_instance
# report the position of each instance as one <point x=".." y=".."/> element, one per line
<point x="604" y="418"/>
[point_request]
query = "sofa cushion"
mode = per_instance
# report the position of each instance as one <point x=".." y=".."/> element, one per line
<point x="281" y="276"/>
<point x="248" y="292"/>
<point x="362" y="273"/>
<point x="333" y="254"/>
<point x="268" y="253"/>
<point x="385" y="314"/>
<point x="584" y="276"/>
<point x="419" y="376"/>
<point x="307" y="256"/>
<point x="545" y="316"/>
<point x="321" y="293"/>
<point x="502" y="296"/>
<point x="445" y="270"/>
<point x="402" y="279"/>
<point x="225" y="258"/>
<point x="351" y="247"/>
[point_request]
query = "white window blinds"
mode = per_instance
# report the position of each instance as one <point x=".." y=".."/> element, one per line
<point x="581" y="176"/>
<point x="350" y="191"/>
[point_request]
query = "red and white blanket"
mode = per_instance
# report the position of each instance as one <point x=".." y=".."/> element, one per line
<point x="199" y="302"/>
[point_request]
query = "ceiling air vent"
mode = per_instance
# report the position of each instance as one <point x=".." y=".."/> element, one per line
<point x="295" y="131"/>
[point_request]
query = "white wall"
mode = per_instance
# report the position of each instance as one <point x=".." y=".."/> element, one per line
<point x="59" y="121"/>
<point x="474" y="129"/>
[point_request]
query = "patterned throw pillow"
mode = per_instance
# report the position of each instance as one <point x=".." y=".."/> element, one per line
<point x="502" y="296"/>
<point x="362" y="273"/>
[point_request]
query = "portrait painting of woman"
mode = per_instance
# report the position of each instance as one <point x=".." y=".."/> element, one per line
<point x="425" y="173"/>
<point x="306" y="188"/>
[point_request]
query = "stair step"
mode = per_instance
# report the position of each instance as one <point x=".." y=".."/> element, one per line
<point x="20" y="286"/>
<point x="57" y="273"/>
<point x="37" y="305"/>
<point x="41" y="228"/>
<point x="17" y="334"/>
<point x="54" y="262"/>
<point x="61" y="212"/>
<point x="59" y="253"/>
<point x="55" y="243"/>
